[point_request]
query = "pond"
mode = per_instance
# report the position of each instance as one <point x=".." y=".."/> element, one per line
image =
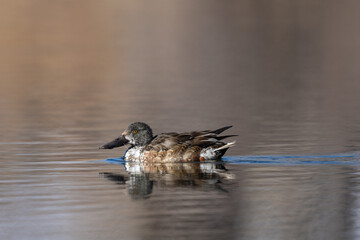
<point x="74" y="75"/>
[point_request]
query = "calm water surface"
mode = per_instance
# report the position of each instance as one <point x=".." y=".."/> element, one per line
<point x="285" y="74"/>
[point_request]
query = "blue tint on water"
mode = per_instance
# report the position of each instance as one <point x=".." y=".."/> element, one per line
<point x="119" y="160"/>
<point x="335" y="159"/>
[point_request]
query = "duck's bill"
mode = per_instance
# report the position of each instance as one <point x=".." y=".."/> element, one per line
<point x="118" y="142"/>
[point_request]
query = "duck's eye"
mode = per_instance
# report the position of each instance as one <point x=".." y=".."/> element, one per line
<point x="135" y="131"/>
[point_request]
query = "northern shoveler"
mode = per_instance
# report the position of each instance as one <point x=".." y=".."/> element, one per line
<point x="171" y="147"/>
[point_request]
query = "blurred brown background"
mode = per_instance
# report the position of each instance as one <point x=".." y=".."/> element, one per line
<point x="74" y="74"/>
<point x="284" y="73"/>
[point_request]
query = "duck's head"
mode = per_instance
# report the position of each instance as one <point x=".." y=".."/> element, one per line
<point x="137" y="134"/>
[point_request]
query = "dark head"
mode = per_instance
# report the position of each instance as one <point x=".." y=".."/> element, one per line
<point x="138" y="134"/>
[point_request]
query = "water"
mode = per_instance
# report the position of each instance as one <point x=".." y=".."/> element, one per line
<point x="285" y="74"/>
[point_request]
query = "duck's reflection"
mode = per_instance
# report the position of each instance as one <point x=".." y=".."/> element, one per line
<point x="142" y="177"/>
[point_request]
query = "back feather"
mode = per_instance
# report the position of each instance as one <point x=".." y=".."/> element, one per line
<point x="202" y="139"/>
<point x="220" y="130"/>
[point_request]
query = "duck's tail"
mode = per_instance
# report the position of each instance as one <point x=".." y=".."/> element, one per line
<point x="222" y="150"/>
<point x="226" y="146"/>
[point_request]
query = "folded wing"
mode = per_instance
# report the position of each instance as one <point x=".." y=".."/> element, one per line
<point x="202" y="139"/>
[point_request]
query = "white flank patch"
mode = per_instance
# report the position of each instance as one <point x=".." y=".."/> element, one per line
<point x="208" y="153"/>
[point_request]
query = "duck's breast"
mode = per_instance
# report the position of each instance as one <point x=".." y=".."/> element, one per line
<point x="134" y="154"/>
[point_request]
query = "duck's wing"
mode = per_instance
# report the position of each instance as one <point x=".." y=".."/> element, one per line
<point x="210" y="132"/>
<point x="174" y="147"/>
<point x="202" y="139"/>
<point x="163" y="142"/>
<point x="209" y="137"/>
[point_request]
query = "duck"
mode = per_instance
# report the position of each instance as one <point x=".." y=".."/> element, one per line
<point x="170" y="147"/>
